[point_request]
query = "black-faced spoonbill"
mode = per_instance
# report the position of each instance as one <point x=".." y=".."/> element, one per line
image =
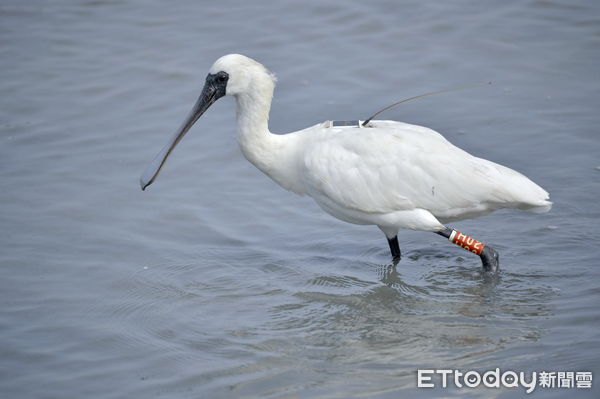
<point x="390" y="174"/>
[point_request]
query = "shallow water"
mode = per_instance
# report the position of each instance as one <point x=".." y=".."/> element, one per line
<point x="217" y="283"/>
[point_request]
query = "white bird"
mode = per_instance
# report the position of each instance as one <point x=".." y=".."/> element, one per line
<point x="390" y="174"/>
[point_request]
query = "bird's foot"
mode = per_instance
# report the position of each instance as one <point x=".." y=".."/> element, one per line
<point x="490" y="259"/>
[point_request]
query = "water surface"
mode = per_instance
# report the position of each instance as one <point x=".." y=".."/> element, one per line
<point x="217" y="283"/>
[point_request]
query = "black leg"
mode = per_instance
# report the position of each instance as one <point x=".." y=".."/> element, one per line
<point x="489" y="257"/>
<point x="394" y="248"/>
<point x="445" y="233"/>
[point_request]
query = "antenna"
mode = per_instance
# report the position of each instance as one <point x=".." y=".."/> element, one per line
<point x="423" y="95"/>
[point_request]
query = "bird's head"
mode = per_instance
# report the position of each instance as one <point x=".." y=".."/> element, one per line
<point x="238" y="74"/>
<point x="230" y="75"/>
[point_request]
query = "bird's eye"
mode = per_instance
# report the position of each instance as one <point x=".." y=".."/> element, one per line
<point x="221" y="78"/>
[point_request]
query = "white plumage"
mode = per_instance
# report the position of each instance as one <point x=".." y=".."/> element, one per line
<point x="390" y="174"/>
<point x="397" y="167"/>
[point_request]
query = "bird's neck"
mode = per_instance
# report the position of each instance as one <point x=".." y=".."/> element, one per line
<point x="273" y="154"/>
<point x="253" y="136"/>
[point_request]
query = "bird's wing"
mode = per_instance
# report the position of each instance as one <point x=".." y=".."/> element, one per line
<point x="395" y="166"/>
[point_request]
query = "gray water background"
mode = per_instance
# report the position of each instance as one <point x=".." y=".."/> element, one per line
<point x="215" y="282"/>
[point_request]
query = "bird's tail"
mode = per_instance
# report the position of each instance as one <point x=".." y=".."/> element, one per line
<point x="524" y="193"/>
<point x="533" y="198"/>
<point x="544" y="207"/>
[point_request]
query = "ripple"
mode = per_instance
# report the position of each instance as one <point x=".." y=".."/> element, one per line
<point x="339" y="281"/>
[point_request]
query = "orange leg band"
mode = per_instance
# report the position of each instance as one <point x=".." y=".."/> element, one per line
<point x="466" y="242"/>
